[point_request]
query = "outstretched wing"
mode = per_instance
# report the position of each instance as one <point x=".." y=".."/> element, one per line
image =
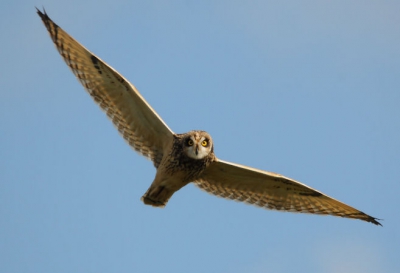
<point x="134" y="118"/>
<point x="271" y="191"/>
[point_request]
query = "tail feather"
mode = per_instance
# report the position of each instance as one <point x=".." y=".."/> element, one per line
<point x="157" y="196"/>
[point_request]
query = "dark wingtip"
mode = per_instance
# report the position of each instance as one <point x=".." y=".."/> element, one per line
<point x="374" y="221"/>
<point x="50" y="25"/>
<point x="43" y="14"/>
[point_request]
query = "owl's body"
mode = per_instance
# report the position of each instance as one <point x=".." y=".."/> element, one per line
<point x="184" y="158"/>
<point x="180" y="165"/>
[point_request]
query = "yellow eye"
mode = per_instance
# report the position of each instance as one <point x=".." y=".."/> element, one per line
<point x="189" y="142"/>
<point x="204" y="143"/>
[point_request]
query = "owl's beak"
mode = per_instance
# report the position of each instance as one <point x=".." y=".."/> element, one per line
<point x="197" y="149"/>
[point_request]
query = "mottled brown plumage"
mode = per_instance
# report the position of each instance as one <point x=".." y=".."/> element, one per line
<point x="184" y="158"/>
<point x="177" y="169"/>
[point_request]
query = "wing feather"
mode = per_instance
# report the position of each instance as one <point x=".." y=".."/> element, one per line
<point x="272" y="191"/>
<point x="134" y="118"/>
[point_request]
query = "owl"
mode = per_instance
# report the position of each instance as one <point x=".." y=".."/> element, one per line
<point x="180" y="159"/>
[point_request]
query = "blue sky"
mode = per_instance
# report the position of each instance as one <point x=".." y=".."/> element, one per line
<point x="308" y="89"/>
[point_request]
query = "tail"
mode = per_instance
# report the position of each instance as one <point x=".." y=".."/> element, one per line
<point x="157" y="196"/>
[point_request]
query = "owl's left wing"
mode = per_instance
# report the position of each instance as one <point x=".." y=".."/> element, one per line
<point x="134" y="118"/>
<point x="271" y="191"/>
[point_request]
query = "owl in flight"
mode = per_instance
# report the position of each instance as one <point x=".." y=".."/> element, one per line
<point x="189" y="157"/>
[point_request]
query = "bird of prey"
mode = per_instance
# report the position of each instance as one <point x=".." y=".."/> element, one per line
<point x="189" y="157"/>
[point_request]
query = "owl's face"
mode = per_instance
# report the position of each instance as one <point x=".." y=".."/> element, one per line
<point x="197" y="144"/>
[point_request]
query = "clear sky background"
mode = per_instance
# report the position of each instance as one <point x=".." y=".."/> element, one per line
<point x="308" y="89"/>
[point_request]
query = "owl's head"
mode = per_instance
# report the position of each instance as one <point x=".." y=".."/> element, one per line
<point x="197" y="144"/>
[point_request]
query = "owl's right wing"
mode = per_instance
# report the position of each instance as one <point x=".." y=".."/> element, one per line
<point x="271" y="191"/>
<point x="134" y="118"/>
